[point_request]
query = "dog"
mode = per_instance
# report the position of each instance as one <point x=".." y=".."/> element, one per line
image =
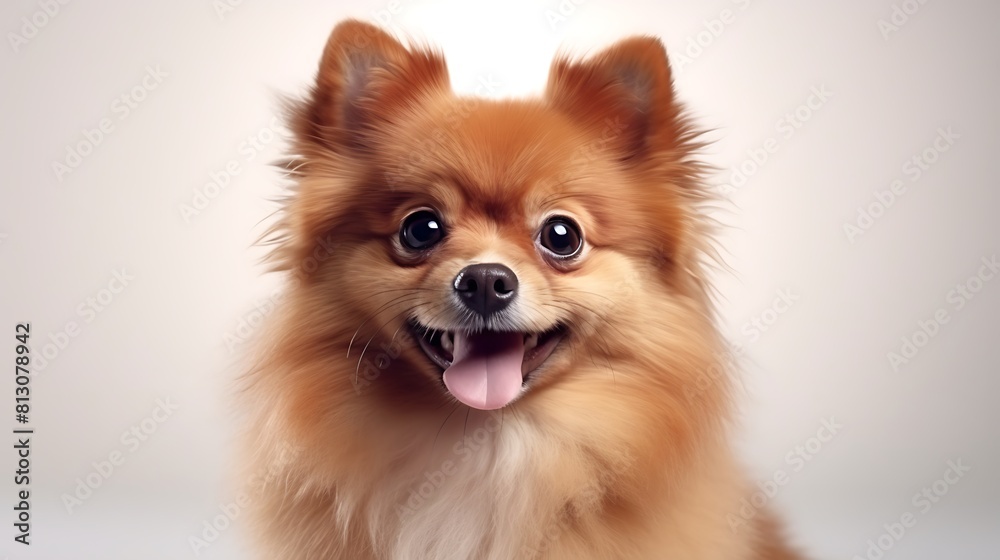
<point x="496" y="340"/>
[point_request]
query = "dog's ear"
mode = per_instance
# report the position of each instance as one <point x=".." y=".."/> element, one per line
<point x="624" y="93"/>
<point x="365" y="77"/>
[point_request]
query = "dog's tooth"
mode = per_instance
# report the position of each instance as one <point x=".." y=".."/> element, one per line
<point x="446" y="342"/>
<point x="531" y="341"/>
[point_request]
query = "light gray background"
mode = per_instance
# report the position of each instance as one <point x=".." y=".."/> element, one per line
<point x="164" y="335"/>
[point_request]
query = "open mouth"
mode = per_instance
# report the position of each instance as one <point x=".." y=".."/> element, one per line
<point x="487" y="369"/>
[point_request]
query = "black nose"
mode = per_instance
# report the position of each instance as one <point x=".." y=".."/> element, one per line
<point x="486" y="288"/>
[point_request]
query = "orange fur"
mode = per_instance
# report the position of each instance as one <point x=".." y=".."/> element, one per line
<point x="618" y="448"/>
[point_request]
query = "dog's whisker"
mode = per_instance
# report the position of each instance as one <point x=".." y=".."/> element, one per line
<point x="597" y="316"/>
<point x="375" y="314"/>
<point x="395" y="332"/>
<point x="589" y="293"/>
<point x="441" y="428"/>
<point x="607" y="348"/>
<point x="408" y="310"/>
<point x="389" y="290"/>
<point x="444" y="308"/>
<point x="357" y="370"/>
<point x="607" y="358"/>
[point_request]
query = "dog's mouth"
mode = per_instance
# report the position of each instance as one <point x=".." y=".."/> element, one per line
<point x="487" y="369"/>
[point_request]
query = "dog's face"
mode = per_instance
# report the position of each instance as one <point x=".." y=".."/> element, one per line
<point x="487" y="251"/>
<point x="508" y="247"/>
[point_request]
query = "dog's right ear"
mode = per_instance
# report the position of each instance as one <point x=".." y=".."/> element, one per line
<point x="625" y="91"/>
<point x="365" y="78"/>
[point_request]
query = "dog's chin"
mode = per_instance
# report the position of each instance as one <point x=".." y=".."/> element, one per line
<point x="498" y="348"/>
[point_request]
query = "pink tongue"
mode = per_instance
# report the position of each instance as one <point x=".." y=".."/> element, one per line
<point x="486" y="371"/>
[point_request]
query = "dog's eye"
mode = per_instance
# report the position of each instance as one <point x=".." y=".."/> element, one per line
<point x="561" y="237"/>
<point x="420" y="230"/>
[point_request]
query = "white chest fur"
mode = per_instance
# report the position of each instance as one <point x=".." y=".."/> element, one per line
<point x="477" y="500"/>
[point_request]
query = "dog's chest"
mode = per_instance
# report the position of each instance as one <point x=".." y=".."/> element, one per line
<point x="480" y="501"/>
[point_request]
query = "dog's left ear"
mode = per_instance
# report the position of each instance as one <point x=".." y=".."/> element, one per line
<point x="365" y="78"/>
<point x="624" y="94"/>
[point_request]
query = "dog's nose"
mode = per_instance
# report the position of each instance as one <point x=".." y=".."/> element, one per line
<point x="486" y="288"/>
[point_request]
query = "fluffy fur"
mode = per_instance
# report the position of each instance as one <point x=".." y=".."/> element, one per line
<point x="617" y="448"/>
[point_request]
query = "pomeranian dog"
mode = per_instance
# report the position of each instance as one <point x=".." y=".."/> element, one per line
<point x="497" y="340"/>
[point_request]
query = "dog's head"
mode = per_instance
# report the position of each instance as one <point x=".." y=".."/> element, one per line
<point x="490" y="251"/>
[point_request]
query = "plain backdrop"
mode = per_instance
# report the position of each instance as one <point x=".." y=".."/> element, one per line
<point x="856" y="144"/>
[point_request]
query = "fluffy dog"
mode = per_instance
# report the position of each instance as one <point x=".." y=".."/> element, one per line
<point x="497" y="340"/>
